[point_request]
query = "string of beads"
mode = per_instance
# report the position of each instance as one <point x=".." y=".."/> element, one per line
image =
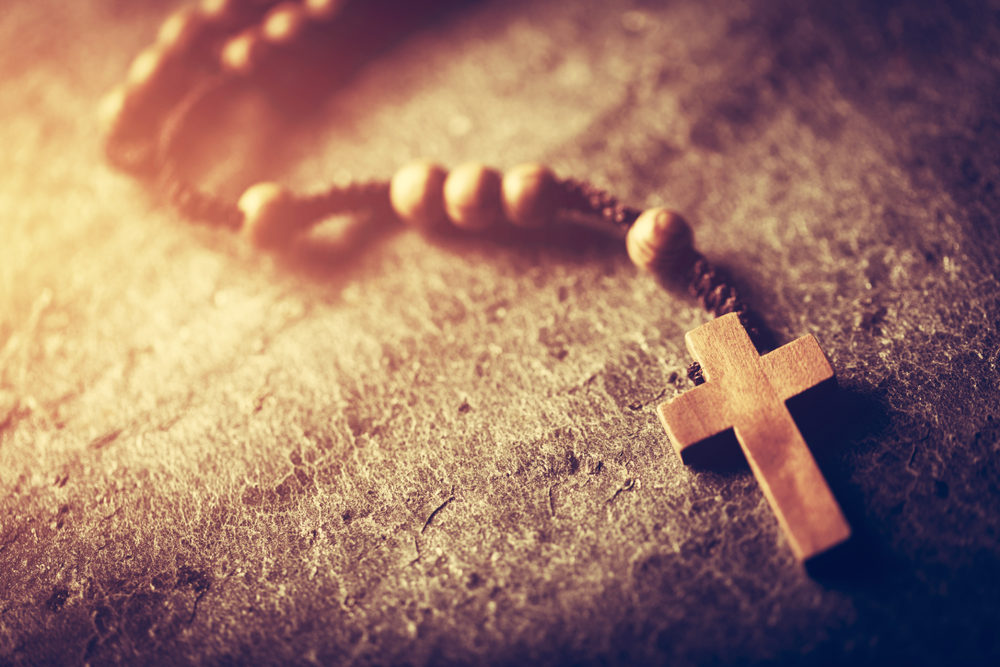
<point x="201" y="49"/>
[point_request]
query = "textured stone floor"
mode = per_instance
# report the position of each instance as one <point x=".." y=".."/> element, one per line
<point x="427" y="451"/>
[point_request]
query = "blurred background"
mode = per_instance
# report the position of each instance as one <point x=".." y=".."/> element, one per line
<point x="414" y="450"/>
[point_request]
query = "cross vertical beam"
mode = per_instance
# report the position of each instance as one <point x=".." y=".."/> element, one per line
<point x="746" y="392"/>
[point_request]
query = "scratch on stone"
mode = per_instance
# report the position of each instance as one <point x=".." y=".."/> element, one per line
<point x="19" y="409"/>
<point x="105" y="518"/>
<point x="168" y="424"/>
<point x="639" y="405"/>
<point x="552" y="501"/>
<point x="8" y="419"/>
<point x="586" y="383"/>
<point x="416" y="546"/>
<point x="627" y="486"/>
<point x="105" y="440"/>
<point x="435" y="512"/>
<point x="913" y="457"/>
<point x="43" y="301"/>
<point x="194" y="608"/>
<point x="11" y="539"/>
<point x="259" y="403"/>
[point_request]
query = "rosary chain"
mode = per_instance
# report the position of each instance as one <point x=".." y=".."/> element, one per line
<point x="202" y="49"/>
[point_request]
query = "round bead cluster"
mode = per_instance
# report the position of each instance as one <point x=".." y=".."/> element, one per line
<point x="233" y="38"/>
<point x="200" y="48"/>
<point x="472" y="196"/>
<point x="212" y="38"/>
<point x="423" y="195"/>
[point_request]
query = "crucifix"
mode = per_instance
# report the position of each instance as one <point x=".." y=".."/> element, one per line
<point x="201" y="51"/>
<point x="746" y="392"/>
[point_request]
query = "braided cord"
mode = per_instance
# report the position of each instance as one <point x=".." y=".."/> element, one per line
<point x="712" y="289"/>
<point x="578" y="196"/>
<point x="146" y="137"/>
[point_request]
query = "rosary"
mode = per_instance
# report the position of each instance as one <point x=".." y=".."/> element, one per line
<point x="202" y="49"/>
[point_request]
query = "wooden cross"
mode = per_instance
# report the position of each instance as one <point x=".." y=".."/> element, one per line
<point x="747" y="393"/>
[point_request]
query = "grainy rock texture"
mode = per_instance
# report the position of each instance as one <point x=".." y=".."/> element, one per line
<point x="427" y="451"/>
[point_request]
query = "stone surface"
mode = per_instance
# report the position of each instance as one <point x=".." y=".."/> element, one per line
<point x="447" y="450"/>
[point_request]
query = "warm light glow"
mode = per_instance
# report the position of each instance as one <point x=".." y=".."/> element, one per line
<point x="144" y="66"/>
<point x="323" y="8"/>
<point x="283" y="22"/>
<point x="111" y="107"/>
<point x="178" y="30"/>
<point x="238" y="55"/>
<point x="217" y="8"/>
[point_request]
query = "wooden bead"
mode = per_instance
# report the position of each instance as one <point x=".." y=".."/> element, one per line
<point x="323" y="9"/>
<point x="530" y="194"/>
<point x="111" y="109"/>
<point x="220" y="10"/>
<point x="147" y="68"/>
<point x="472" y="196"/>
<point x="660" y="241"/>
<point x="243" y="53"/>
<point x="284" y="23"/>
<point x="155" y="79"/>
<point x="269" y="218"/>
<point x="181" y="29"/>
<point x="417" y="195"/>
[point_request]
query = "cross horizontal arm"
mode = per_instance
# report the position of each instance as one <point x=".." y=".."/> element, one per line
<point x="795" y="367"/>
<point x="694" y="416"/>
